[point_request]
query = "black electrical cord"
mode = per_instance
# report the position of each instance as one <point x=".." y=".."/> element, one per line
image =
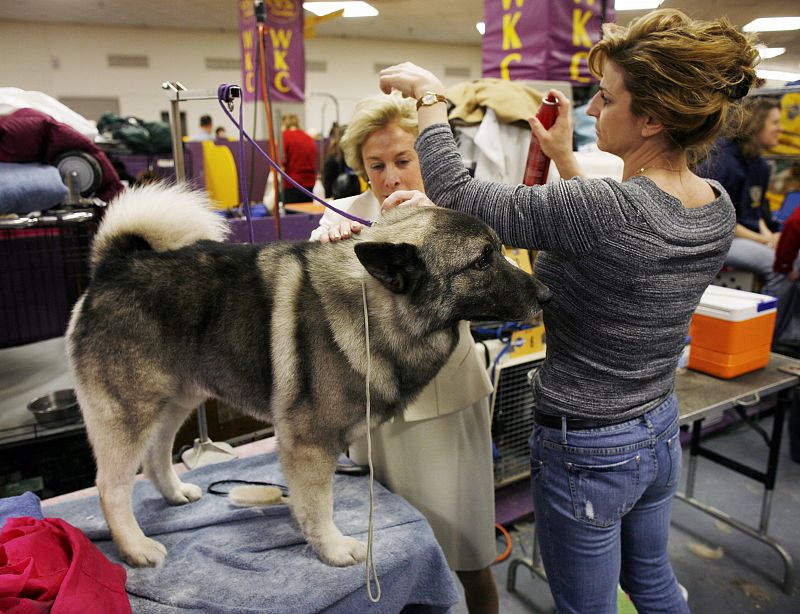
<point x="212" y="490"/>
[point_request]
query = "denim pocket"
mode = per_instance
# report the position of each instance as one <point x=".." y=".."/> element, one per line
<point x="602" y="494"/>
<point x="675" y="458"/>
<point x="537" y="461"/>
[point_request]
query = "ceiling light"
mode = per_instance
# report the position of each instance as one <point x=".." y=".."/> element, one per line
<point x="481" y="27"/>
<point x="773" y="24"/>
<point x="351" y="9"/>
<point x="778" y="75"/>
<point x="636" y="5"/>
<point x="770" y="52"/>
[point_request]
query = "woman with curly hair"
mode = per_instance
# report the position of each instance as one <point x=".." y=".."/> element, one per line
<point x="627" y="262"/>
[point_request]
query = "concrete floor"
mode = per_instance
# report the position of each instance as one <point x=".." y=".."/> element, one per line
<point x="746" y="578"/>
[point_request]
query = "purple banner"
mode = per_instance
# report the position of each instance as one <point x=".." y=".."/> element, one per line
<point x="248" y="44"/>
<point x="284" y="50"/>
<point x="541" y="39"/>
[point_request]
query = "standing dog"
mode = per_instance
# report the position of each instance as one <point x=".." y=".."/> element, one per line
<point x="174" y="316"/>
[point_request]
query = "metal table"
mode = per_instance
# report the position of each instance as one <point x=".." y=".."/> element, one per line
<point x="701" y="397"/>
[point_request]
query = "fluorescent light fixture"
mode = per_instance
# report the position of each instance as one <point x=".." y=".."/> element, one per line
<point x="770" y="52"/>
<point x="636" y="5"/>
<point x="481" y="28"/>
<point x="773" y="24"/>
<point x="778" y="75"/>
<point x="351" y="9"/>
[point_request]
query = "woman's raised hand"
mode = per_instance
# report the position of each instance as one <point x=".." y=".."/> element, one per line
<point x="406" y="198"/>
<point x="557" y="141"/>
<point x="410" y="80"/>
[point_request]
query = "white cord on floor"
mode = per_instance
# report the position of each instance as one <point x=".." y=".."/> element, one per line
<point x="369" y="564"/>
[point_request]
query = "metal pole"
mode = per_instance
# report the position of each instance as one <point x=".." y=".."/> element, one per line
<point x="204" y="450"/>
<point x="335" y="103"/>
<point x="693" y="452"/>
<point x="175" y="130"/>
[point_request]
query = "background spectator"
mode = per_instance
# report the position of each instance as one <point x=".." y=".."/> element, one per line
<point x="299" y="160"/>
<point x="206" y="129"/>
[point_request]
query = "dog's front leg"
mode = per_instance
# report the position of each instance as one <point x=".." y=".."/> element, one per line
<point x="309" y="476"/>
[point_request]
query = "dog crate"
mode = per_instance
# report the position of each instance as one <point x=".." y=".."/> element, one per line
<point x="45" y="268"/>
<point x="48" y="461"/>
<point x="512" y="410"/>
<point x="736" y="279"/>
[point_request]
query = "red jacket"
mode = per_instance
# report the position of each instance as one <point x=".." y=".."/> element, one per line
<point x="300" y="158"/>
<point x="788" y="245"/>
<point x="50" y="566"/>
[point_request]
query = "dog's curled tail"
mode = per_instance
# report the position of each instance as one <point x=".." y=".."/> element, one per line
<point x="166" y="216"/>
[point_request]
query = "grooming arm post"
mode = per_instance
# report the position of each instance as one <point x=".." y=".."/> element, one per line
<point x="204" y="451"/>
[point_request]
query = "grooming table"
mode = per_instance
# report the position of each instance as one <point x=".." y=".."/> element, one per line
<point x="226" y="559"/>
<point x="702" y="397"/>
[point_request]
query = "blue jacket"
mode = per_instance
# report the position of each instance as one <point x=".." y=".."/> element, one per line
<point x="745" y="181"/>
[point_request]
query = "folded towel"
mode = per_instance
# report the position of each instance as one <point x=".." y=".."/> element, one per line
<point x="26" y="504"/>
<point x="30" y="187"/>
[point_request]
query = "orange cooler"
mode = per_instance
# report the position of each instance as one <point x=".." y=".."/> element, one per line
<point x="731" y="332"/>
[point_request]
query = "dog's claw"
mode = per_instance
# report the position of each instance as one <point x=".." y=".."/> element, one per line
<point x="144" y="553"/>
<point x="342" y="552"/>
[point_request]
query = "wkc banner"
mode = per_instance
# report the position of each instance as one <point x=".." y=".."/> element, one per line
<point x="284" y="50"/>
<point x="541" y="39"/>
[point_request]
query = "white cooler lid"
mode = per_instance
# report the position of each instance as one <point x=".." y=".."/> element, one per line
<point x="734" y="305"/>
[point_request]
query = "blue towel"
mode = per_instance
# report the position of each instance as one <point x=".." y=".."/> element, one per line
<point x="228" y="559"/>
<point x="26" y="504"/>
<point x="30" y="187"/>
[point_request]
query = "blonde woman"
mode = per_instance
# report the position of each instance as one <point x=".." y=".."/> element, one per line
<point x="627" y="263"/>
<point x="438" y="455"/>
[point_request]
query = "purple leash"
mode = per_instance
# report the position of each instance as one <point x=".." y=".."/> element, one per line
<point x="222" y="97"/>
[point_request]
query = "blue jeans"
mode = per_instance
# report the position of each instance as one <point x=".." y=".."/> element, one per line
<point x="602" y="499"/>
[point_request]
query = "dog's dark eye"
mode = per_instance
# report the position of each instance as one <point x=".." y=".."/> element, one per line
<point x="484" y="260"/>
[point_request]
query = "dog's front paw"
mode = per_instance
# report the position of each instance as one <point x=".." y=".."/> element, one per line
<point x="191" y="492"/>
<point x="144" y="552"/>
<point x="342" y="551"/>
<point x="186" y="493"/>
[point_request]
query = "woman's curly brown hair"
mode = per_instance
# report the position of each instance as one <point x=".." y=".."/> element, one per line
<point x="685" y="73"/>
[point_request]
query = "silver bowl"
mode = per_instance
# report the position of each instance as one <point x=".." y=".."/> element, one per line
<point x="59" y="407"/>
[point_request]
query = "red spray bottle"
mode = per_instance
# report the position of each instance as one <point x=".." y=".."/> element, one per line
<point x="538" y="163"/>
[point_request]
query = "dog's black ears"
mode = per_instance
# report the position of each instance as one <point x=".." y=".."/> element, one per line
<point x="396" y="265"/>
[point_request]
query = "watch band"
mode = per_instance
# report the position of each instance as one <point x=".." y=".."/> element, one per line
<point x="430" y="98"/>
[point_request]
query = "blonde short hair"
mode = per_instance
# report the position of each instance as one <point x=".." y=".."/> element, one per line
<point x="372" y="114"/>
<point x="685" y="73"/>
<point x="291" y="121"/>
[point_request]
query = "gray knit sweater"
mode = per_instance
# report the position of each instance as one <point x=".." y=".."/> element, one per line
<point x="627" y="264"/>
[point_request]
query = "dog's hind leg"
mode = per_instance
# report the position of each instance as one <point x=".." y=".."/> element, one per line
<point x="309" y="474"/>
<point x="119" y="432"/>
<point x="118" y="460"/>
<point x="158" y="460"/>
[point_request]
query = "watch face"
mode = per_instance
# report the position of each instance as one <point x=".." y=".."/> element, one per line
<point x="429" y="98"/>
